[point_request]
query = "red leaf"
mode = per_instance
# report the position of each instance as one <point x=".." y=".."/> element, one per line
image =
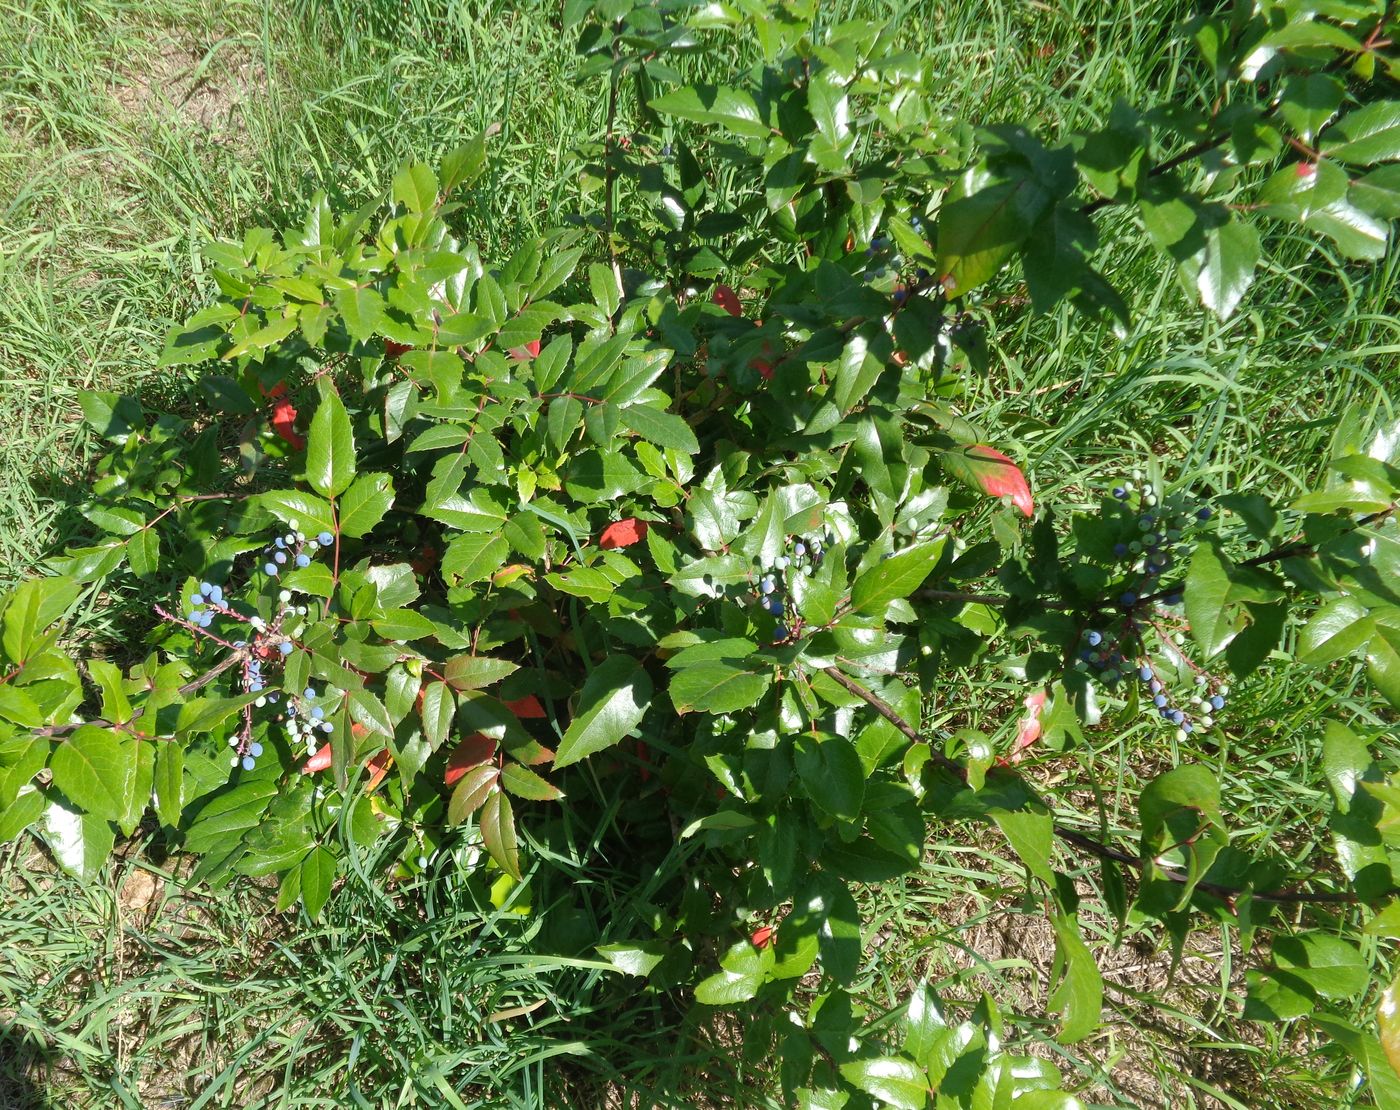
<point x="760" y="937"/>
<point x="393" y="350"/>
<point x="996" y="475"/>
<point x="278" y="390"/>
<point x="471" y="752"/>
<point x="530" y="350"/>
<point x="378" y="768"/>
<point x="318" y="762"/>
<point x="284" y="418"/>
<point x="527" y="708"/>
<point x="1029" y="731"/>
<point x="623" y="533"/>
<point x="726" y="298"/>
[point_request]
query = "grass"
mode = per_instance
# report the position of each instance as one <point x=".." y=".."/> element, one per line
<point x="128" y="132"/>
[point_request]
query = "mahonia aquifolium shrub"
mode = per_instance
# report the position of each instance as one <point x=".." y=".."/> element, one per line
<point x="688" y="491"/>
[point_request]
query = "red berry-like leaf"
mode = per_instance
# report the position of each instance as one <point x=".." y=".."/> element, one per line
<point x="393" y="350"/>
<point x="623" y="533"/>
<point x="378" y="768"/>
<point x="987" y="469"/>
<point x="475" y="750"/>
<point x="727" y="299"/>
<point x="530" y="350"/>
<point x="760" y="937"/>
<point x="284" y="418"/>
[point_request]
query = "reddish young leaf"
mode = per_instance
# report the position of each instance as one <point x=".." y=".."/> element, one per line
<point x="393" y="350"/>
<point x="761" y="936"/>
<point x="623" y="533"/>
<point x="527" y="708"/>
<point x="530" y="350"/>
<point x="475" y="750"/>
<point x="378" y="768"/>
<point x="284" y="418"/>
<point x="278" y="390"/>
<point x="426" y="560"/>
<point x="1029" y="731"/>
<point x="318" y="762"/>
<point x="987" y="469"/>
<point x="727" y="299"/>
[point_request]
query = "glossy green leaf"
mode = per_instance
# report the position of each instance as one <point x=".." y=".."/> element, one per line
<point x="330" y="447"/>
<point x="896" y="577"/>
<point x="1228" y="262"/>
<point x="317" y="873"/>
<point x="1078" y="996"/>
<point x="717" y="686"/>
<point x="438" y="708"/>
<point x="365" y="503"/>
<point x="893" y="1080"/>
<point x="498" y="833"/>
<point x="524" y="783"/>
<point x="613" y="701"/>
<point x="1366" y="135"/>
<point x="95" y="769"/>
<point x="831" y="773"/>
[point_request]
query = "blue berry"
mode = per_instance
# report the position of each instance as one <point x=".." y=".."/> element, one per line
<point x="1120" y="493"/>
<point x="303" y="560"/>
<point x="326" y="726"/>
<point x="279" y="557"/>
<point x="1217" y="702"/>
<point x="279" y="542"/>
<point x="1128" y="599"/>
<point x="255" y="686"/>
<point x="780" y="633"/>
<point x="1145" y="673"/>
<point x="285" y="648"/>
<point x="216" y="595"/>
<point x="255" y="749"/>
<point x="205" y="588"/>
<point x="1187" y="726"/>
<point x="1203" y="514"/>
<point x="1160" y="701"/>
<point x="775" y="606"/>
<point x="1120" y="549"/>
<point x="1176" y="716"/>
<point x="783" y="562"/>
<point x="768" y="587"/>
<point x="325" y="539"/>
<point x="309" y="693"/>
<point x="1174" y="599"/>
<point x="270" y="569"/>
<point x="1094" y="639"/>
<point x="799" y="548"/>
<point x="248" y="763"/>
<point x="317" y="712"/>
<point x="196" y="600"/>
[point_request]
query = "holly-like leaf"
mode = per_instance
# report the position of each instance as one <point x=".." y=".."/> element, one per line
<point x="365" y="503"/>
<point x="832" y="774"/>
<point x="896" y="577"/>
<point x="300" y="510"/>
<point x="476" y="672"/>
<point x="471" y="792"/>
<point x="612" y="703"/>
<point x="524" y="783"/>
<point x="744" y="969"/>
<point x="992" y="472"/>
<point x="330" y="451"/>
<point x="1368" y="135"/>
<point x="893" y="1080"/>
<point x="317" y="874"/>
<point x="1227" y="266"/>
<point x="498" y="833"/>
<point x="95" y="770"/>
<point x="437" y="709"/>
<point x="1078" y="997"/>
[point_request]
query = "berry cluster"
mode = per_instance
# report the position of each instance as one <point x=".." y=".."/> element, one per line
<point x="1113" y="656"/>
<point x="295" y="546"/>
<point x="1154" y="538"/>
<point x="305" y="718"/>
<point x="268" y="641"/>
<point x="803" y="556"/>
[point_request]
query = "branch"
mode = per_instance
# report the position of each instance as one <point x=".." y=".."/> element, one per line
<point x="1080" y="840"/>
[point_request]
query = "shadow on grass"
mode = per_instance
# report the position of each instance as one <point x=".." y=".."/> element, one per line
<point x="18" y="1062"/>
